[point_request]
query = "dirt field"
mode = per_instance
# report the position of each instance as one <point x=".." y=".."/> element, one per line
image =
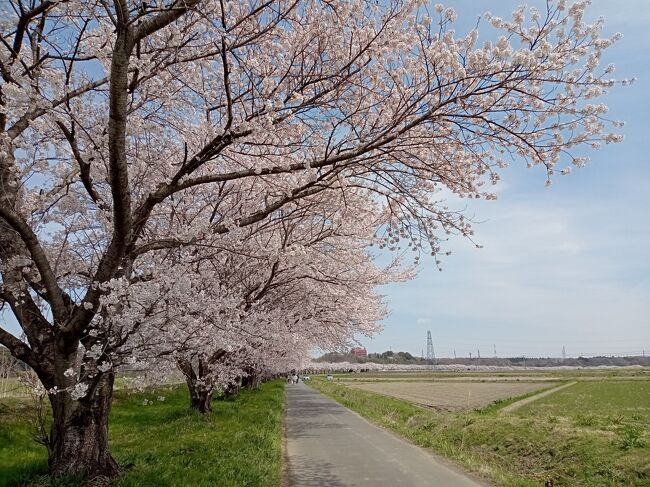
<point x="457" y="378"/>
<point x="452" y="396"/>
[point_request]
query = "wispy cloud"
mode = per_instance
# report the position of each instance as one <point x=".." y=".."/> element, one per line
<point x="557" y="268"/>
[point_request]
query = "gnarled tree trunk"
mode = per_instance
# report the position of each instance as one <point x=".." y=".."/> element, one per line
<point x="199" y="384"/>
<point x="252" y="380"/>
<point x="79" y="435"/>
<point x="200" y="399"/>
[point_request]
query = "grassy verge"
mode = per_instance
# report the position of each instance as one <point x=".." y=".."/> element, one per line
<point x="529" y="447"/>
<point x="165" y="444"/>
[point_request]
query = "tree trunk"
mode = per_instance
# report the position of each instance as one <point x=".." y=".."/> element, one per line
<point x="252" y="380"/>
<point x="200" y="399"/>
<point x="79" y="435"/>
<point x="198" y="384"/>
<point x="232" y="389"/>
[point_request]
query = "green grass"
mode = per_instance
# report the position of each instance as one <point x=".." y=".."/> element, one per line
<point x="20" y="455"/>
<point x="622" y="398"/>
<point x="529" y="447"/>
<point x="166" y="444"/>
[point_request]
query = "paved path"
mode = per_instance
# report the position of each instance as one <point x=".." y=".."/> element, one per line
<point x="327" y="445"/>
<point x="516" y="405"/>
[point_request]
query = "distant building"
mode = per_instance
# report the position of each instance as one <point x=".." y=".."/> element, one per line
<point x="359" y="352"/>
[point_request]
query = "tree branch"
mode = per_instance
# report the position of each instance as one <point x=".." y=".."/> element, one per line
<point x="23" y="22"/>
<point x="23" y="122"/>
<point x="84" y="167"/>
<point x="54" y="292"/>
<point x="18" y="349"/>
<point x="163" y="19"/>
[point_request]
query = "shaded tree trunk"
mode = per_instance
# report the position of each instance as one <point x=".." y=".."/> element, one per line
<point x="200" y="399"/>
<point x="79" y="434"/>
<point x="232" y="389"/>
<point x="198" y="385"/>
<point x="252" y="380"/>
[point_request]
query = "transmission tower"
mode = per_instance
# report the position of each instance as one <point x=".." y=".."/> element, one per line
<point x="431" y="356"/>
<point x="563" y="354"/>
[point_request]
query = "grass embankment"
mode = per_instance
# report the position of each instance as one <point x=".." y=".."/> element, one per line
<point x="166" y="444"/>
<point x="590" y="434"/>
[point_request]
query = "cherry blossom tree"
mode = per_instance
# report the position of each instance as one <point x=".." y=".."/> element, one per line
<point x="130" y="130"/>
<point x="228" y="309"/>
<point x="305" y="279"/>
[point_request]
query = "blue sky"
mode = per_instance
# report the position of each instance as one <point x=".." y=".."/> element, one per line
<point x="561" y="266"/>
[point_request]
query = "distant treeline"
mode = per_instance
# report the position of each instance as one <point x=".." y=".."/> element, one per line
<point x="390" y="357"/>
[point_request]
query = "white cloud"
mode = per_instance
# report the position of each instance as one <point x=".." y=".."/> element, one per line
<point x="554" y="271"/>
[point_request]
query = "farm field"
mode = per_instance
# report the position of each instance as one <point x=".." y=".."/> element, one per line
<point x="163" y="443"/>
<point x="595" y="432"/>
<point x="453" y="396"/>
<point x="618" y="401"/>
<point x="11" y="387"/>
<point x="529" y="375"/>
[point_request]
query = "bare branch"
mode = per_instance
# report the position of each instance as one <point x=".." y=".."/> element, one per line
<point x="84" y="167"/>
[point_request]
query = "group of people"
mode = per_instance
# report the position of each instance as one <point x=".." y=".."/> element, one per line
<point x="292" y="379"/>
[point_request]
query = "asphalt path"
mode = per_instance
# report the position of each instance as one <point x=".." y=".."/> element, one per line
<point x="327" y="445"/>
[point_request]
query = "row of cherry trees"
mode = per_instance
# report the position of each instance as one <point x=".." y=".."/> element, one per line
<point x="258" y="300"/>
<point x="198" y="182"/>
